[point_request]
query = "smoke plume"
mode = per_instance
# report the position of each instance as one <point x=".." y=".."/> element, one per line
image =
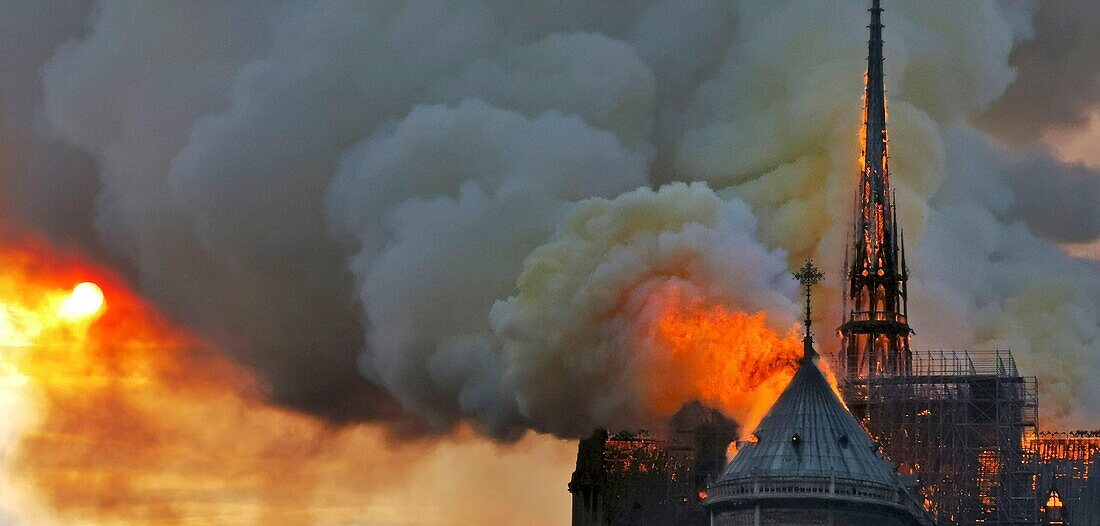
<point x="430" y="214"/>
<point x="116" y="416"/>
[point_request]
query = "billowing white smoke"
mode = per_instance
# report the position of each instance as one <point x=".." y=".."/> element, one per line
<point x="445" y="207"/>
<point x="601" y="282"/>
<point x="986" y="281"/>
<point x="457" y="196"/>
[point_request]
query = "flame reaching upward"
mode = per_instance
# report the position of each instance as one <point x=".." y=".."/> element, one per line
<point x="729" y="360"/>
<point x="734" y="361"/>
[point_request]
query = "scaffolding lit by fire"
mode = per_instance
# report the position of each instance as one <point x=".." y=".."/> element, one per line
<point x="961" y="424"/>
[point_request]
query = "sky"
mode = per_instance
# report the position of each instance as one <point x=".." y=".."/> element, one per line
<point x="384" y="262"/>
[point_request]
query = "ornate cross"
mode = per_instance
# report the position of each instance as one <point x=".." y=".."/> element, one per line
<point x="808" y="276"/>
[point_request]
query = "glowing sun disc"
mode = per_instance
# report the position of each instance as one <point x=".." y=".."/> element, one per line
<point x="85" y="300"/>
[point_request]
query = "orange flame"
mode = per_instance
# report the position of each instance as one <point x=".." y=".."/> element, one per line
<point x="862" y="160"/>
<point x="732" y="361"/>
<point x="731" y="451"/>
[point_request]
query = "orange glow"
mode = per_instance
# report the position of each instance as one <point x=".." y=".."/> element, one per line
<point x="862" y="160"/>
<point x="114" y="415"/>
<point x="1055" y="500"/>
<point x="85" y="301"/>
<point x="886" y="142"/>
<point x="989" y="469"/>
<point x="1076" y="447"/>
<point x="728" y="360"/>
<point x="731" y="451"/>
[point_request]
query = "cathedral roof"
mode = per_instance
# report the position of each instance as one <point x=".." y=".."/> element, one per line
<point x="809" y="448"/>
<point x="809" y="433"/>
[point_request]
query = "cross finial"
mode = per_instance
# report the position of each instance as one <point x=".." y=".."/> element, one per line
<point x="808" y="276"/>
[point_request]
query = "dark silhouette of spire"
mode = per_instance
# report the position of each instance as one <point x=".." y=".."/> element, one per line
<point x="875" y="330"/>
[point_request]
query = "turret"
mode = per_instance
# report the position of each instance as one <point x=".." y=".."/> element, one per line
<point x="810" y="462"/>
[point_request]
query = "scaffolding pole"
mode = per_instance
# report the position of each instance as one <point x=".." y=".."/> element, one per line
<point x="961" y="425"/>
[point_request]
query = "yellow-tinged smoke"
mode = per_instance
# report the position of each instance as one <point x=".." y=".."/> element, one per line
<point x="645" y="302"/>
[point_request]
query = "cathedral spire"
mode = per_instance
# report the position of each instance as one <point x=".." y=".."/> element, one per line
<point x="874" y="146"/>
<point x="875" y="330"/>
<point x="875" y="218"/>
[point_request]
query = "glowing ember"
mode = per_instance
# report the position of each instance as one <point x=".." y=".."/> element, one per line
<point x="731" y="451"/>
<point x="1055" y="500"/>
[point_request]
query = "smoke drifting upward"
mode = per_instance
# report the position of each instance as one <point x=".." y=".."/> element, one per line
<point x="115" y="416"/>
<point x="634" y="281"/>
<point x="432" y="214"/>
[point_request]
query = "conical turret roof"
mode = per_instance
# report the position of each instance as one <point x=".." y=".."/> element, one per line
<point x="810" y="433"/>
<point x="810" y="447"/>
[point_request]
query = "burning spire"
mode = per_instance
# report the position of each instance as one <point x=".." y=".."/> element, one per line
<point x="876" y="173"/>
<point x="875" y="331"/>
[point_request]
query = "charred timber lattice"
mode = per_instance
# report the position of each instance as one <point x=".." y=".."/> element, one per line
<point x="1067" y="461"/>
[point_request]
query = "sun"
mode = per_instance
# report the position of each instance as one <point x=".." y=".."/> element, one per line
<point x="85" y="300"/>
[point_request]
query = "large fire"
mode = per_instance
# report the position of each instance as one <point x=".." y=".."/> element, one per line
<point x="732" y="361"/>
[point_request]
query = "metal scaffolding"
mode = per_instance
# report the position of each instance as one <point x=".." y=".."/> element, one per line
<point x="961" y="424"/>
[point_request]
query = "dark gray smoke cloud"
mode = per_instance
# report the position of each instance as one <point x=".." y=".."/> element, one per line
<point x="1039" y="180"/>
<point x="45" y="182"/>
<point x="1058" y="73"/>
<point x="359" y="200"/>
<point x="142" y="88"/>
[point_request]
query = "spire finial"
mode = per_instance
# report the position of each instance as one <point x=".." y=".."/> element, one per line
<point x="808" y="276"/>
